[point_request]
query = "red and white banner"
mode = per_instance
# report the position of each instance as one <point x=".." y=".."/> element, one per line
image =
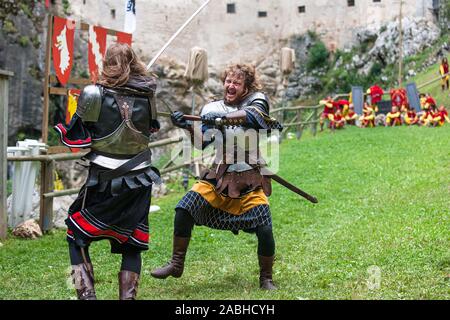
<point x="62" y="47"/>
<point x="96" y="51"/>
<point x="123" y="37"/>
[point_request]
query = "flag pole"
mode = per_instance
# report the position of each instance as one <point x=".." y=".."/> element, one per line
<point x="176" y="34"/>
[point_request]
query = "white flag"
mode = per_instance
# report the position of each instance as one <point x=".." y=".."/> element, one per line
<point x="130" y="16"/>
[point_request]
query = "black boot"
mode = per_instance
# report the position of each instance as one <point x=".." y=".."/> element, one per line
<point x="265" y="273"/>
<point x="128" y="285"/>
<point x="176" y="265"/>
<point x="83" y="280"/>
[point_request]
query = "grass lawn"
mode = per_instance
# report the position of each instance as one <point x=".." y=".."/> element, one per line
<point x="380" y="231"/>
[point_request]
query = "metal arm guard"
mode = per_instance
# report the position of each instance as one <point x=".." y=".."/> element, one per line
<point x="89" y="103"/>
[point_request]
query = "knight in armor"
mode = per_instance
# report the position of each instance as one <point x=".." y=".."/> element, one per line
<point x="114" y="118"/>
<point x="233" y="193"/>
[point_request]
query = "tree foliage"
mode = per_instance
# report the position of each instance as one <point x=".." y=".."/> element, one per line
<point x="318" y="56"/>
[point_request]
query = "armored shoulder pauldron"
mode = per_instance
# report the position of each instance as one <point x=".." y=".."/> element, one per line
<point x="90" y="103"/>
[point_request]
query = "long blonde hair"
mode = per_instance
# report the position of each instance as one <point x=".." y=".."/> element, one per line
<point x="119" y="64"/>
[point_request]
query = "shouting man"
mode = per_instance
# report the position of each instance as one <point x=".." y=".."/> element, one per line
<point x="232" y="195"/>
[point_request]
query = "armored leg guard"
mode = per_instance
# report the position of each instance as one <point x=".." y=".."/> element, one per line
<point x="128" y="285"/>
<point x="265" y="273"/>
<point x="176" y="265"/>
<point x="83" y="280"/>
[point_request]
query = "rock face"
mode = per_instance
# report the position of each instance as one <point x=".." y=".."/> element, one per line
<point x="21" y="51"/>
<point x="418" y="34"/>
<point x="29" y="230"/>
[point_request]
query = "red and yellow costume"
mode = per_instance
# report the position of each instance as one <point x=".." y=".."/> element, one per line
<point x="351" y="117"/>
<point x="427" y="117"/>
<point x="368" y="117"/>
<point x="429" y="102"/>
<point x="394" y="118"/>
<point x="337" y="121"/>
<point x="328" y="110"/>
<point x="440" y="117"/>
<point x="329" y="107"/>
<point x="343" y="105"/>
<point x="423" y="100"/>
<point x="443" y="70"/>
<point x="411" y="118"/>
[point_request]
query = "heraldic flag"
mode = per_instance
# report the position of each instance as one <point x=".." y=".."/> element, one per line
<point x="123" y="37"/>
<point x="62" y="47"/>
<point x="96" y="51"/>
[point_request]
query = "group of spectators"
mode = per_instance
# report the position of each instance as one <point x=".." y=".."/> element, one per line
<point x="341" y="112"/>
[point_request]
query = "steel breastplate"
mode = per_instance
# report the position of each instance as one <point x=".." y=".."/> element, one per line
<point x="123" y="127"/>
<point x="235" y="134"/>
<point x="125" y="140"/>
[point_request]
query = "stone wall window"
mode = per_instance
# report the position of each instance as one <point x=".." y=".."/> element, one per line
<point x="231" y="8"/>
<point x="262" y="14"/>
<point x="113" y="13"/>
<point x="351" y="3"/>
<point x="301" y="9"/>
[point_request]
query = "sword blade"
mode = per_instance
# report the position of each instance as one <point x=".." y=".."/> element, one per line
<point x="176" y="34"/>
<point x="293" y="188"/>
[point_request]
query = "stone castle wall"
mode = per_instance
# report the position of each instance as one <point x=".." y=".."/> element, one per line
<point x="243" y="35"/>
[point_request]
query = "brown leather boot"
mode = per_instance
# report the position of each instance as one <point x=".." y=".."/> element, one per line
<point x="83" y="280"/>
<point x="128" y="285"/>
<point x="265" y="273"/>
<point x="176" y="265"/>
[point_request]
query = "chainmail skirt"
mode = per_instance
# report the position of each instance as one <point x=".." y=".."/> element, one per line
<point x="206" y="215"/>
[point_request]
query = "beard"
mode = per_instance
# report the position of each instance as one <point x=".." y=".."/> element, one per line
<point x="232" y="97"/>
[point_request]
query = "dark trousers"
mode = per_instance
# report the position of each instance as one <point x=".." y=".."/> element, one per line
<point x="131" y="261"/>
<point x="184" y="223"/>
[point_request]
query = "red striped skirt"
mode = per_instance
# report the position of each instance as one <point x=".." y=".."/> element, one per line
<point x="120" y="216"/>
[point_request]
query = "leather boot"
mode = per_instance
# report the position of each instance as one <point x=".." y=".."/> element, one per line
<point x="265" y="273"/>
<point x="83" y="281"/>
<point x="128" y="285"/>
<point x="176" y="265"/>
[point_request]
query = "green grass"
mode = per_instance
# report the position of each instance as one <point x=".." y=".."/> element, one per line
<point x="384" y="202"/>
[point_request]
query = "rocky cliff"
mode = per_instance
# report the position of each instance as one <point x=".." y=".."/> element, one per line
<point x="21" y="51"/>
